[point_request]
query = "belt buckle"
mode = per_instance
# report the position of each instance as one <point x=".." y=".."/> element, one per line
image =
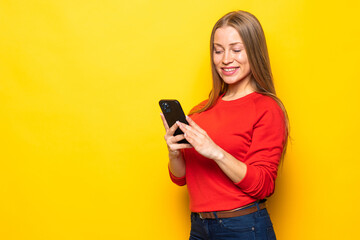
<point x="201" y="217"/>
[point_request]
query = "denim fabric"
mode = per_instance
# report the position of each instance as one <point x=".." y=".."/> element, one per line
<point x="254" y="226"/>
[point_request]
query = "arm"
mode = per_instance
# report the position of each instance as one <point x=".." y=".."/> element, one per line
<point x="256" y="173"/>
<point x="176" y="160"/>
<point x="203" y="144"/>
<point x="264" y="154"/>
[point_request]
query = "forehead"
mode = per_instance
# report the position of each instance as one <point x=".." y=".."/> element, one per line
<point x="226" y="35"/>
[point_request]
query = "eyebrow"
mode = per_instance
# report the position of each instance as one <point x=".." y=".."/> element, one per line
<point x="231" y="44"/>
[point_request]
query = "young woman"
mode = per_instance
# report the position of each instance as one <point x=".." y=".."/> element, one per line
<point x="237" y="137"/>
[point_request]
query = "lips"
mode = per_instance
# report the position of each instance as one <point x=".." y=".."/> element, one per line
<point x="228" y="71"/>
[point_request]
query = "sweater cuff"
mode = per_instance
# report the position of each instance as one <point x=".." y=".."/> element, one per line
<point x="181" y="181"/>
<point x="249" y="179"/>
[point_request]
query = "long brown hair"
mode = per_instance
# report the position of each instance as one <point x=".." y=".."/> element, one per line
<point x="252" y="34"/>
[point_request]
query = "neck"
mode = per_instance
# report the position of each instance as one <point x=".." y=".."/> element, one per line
<point x="239" y="89"/>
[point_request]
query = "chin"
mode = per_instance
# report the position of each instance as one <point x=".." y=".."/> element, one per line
<point x="230" y="81"/>
<point x="235" y="79"/>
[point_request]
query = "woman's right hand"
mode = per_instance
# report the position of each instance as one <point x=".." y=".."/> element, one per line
<point x="172" y="141"/>
<point x="176" y="160"/>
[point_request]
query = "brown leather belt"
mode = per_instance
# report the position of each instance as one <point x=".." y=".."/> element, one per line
<point x="231" y="213"/>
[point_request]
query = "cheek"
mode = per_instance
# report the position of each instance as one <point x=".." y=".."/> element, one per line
<point x="242" y="59"/>
<point x="216" y="60"/>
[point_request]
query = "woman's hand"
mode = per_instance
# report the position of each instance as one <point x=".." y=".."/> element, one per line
<point x="199" y="139"/>
<point x="176" y="161"/>
<point x="171" y="140"/>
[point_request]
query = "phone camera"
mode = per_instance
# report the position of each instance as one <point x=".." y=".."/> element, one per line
<point x="166" y="107"/>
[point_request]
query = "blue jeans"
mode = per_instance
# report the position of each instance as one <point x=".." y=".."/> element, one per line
<point x="254" y="226"/>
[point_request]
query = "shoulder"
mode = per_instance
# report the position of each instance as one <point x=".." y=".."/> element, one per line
<point x="266" y="105"/>
<point x="262" y="100"/>
<point x="199" y="106"/>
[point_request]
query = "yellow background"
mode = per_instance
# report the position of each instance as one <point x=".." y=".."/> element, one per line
<point x="82" y="154"/>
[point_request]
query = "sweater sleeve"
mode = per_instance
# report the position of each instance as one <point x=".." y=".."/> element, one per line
<point x="265" y="151"/>
<point x="181" y="181"/>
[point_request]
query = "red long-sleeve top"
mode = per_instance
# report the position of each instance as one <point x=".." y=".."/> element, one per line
<point x="252" y="130"/>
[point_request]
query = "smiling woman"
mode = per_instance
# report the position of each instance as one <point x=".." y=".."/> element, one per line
<point x="236" y="138"/>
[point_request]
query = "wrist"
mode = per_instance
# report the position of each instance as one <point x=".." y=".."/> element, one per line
<point x="175" y="155"/>
<point x="219" y="156"/>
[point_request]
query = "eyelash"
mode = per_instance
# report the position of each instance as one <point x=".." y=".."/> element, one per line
<point x="218" y="52"/>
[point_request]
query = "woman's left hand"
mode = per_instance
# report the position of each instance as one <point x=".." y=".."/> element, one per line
<point x="199" y="139"/>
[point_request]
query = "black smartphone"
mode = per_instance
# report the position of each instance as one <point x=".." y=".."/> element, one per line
<point x="173" y="112"/>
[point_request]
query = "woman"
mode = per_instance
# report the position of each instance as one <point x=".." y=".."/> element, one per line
<point x="237" y="137"/>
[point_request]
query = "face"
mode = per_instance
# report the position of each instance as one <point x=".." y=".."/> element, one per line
<point x="230" y="57"/>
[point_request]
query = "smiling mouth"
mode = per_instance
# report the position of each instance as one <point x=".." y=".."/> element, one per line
<point x="229" y="70"/>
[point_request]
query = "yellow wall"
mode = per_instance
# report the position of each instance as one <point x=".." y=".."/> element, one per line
<point x="82" y="154"/>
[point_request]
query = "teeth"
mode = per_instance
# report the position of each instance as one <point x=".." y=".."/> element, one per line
<point x="229" y="69"/>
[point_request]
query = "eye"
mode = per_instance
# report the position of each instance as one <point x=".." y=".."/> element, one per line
<point x="237" y="50"/>
<point x="217" y="51"/>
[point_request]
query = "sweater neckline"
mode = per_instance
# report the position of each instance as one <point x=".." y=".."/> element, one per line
<point x="241" y="99"/>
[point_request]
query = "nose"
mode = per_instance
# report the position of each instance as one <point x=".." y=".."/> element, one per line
<point x="227" y="58"/>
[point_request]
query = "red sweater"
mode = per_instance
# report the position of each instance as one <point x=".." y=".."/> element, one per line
<point x="251" y="129"/>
